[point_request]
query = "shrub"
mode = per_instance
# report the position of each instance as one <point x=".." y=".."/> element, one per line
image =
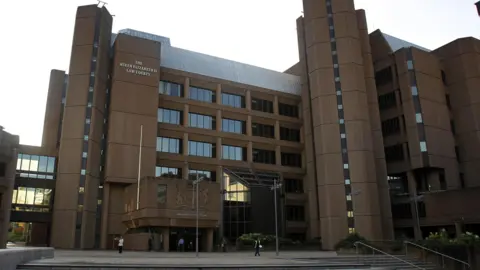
<point x="349" y="241"/>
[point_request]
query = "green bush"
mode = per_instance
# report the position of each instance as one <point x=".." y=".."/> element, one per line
<point x="349" y="241"/>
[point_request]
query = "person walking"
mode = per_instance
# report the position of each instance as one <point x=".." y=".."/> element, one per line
<point x="120" y="244"/>
<point x="257" y="246"/>
<point x="181" y="244"/>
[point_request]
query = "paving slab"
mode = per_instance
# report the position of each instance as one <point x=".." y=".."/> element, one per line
<point x="75" y="259"/>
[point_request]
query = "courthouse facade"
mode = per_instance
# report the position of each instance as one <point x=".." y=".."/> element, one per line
<point x="367" y="133"/>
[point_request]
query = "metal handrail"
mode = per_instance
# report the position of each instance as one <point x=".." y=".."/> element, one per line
<point x="436" y="252"/>
<point x="384" y="253"/>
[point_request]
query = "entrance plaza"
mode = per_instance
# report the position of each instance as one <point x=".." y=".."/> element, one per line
<point x="132" y="259"/>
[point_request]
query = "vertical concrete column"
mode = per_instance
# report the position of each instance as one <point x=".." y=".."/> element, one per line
<point x="250" y="152"/>
<point x="249" y="125"/>
<point x="302" y="133"/>
<point x="105" y="207"/>
<point x="248" y="100"/>
<point x="304" y="163"/>
<point x="186" y="87"/>
<point x="185" y="170"/>
<point x="219" y="148"/>
<point x="209" y="240"/>
<point x="186" y="110"/>
<point x="185" y="144"/>
<point x="458" y="229"/>
<point x="219" y="120"/>
<point x="5" y="206"/>
<point x="166" y="239"/>
<point x="412" y="193"/>
<point x="219" y="173"/>
<point x="278" y="155"/>
<point x="275" y="105"/>
<point x="277" y="130"/>
<point x="219" y="94"/>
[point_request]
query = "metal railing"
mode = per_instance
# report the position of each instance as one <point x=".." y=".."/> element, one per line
<point x="356" y="244"/>
<point x="465" y="265"/>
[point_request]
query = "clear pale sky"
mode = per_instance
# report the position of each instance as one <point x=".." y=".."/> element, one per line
<point x="37" y="36"/>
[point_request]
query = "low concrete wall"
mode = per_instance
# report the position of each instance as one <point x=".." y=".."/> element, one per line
<point x="11" y="257"/>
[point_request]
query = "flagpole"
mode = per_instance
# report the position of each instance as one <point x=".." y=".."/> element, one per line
<point x="139" y="165"/>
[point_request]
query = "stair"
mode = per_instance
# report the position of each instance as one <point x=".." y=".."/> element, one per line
<point x="376" y="262"/>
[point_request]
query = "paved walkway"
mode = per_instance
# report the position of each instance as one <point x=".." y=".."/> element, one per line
<point x="130" y="258"/>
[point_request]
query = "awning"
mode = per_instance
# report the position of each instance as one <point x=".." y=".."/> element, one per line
<point x="253" y="178"/>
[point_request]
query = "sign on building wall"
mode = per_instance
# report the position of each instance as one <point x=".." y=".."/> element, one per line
<point x="138" y="69"/>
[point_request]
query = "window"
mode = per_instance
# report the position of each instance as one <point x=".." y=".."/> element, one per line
<point x="383" y="76"/>
<point x="168" y="172"/>
<point x="295" y="213"/>
<point x="234" y="126"/>
<point x="394" y="153"/>
<point x="288" y="110"/>
<point x="201" y="94"/>
<point x="292" y="160"/>
<point x="293" y="185"/>
<point x="414" y="91"/>
<point x="410" y="65"/>
<point x="161" y="193"/>
<point x="391" y="126"/>
<point x="201" y="121"/>
<point x="201" y="149"/>
<point x="31" y="196"/>
<point x="3" y="169"/>
<point x="418" y="118"/>
<point x="289" y="134"/>
<point x="233" y="100"/>
<point x="232" y="152"/>
<point x="423" y="146"/>
<point x="263" y="156"/>
<point x="169" y="116"/>
<point x="387" y="101"/>
<point x="262" y="105"/>
<point x="33" y="166"/>
<point x="262" y="130"/>
<point x="170" y="89"/>
<point x="207" y="175"/>
<point x="168" y="145"/>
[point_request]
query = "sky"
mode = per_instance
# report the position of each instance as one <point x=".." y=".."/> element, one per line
<point x="37" y="37"/>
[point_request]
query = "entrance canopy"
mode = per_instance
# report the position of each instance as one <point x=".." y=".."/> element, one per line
<point x="251" y="177"/>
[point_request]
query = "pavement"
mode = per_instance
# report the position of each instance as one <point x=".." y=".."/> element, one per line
<point x="99" y="258"/>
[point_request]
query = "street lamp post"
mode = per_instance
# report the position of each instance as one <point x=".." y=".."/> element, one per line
<point x="275" y="187"/>
<point x="195" y="183"/>
<point x="417" y="215"/>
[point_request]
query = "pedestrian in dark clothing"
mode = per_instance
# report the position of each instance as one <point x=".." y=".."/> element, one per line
<point x="257" y="247"/>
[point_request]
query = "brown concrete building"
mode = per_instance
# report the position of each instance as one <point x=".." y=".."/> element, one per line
<point x="367" y="134"/>
<point x="8" y="152"/>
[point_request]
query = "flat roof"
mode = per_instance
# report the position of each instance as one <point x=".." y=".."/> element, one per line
<point x="216" y="67"/>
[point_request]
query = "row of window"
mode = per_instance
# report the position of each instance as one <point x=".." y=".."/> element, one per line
<point x="228" y="125"/>
<point x="232" y="100"/>
<point x="204" y="149"/>
<point x="31" y="196"/>
<point x="34" y="163"/>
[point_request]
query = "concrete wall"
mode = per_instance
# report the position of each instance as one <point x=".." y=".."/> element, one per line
<point x="10" y="258"/>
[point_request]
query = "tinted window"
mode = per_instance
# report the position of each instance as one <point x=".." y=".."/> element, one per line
<point x="262" y="105"/>
<point x="293" y="185"/>
<point x="170" y="89"/>
<point x="233" y="100"/>
<point x="289" y="134"/>
<point x="383" y="76"/>
<point x="201" y="121"/>
<point x="234" y="126"/>
<point x="387" y="101"/>
<point x="33" y="166"/>
<point x="169" y="116"/>
<point x="168" y="145"/>
<point x="168" y="172"/>
<point x="261" y="130"/>
<point x="264" y="156"/>
<point x="201" y="94"/>
<point x="292" y="160"/>
<point x="391" y="126"/>
<point x="207" y="175"/>
<point x="232" y="152"/>
<point x="288" y="110"/>
<point x="295" y="213"/>
<point x="201" y="149"/>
